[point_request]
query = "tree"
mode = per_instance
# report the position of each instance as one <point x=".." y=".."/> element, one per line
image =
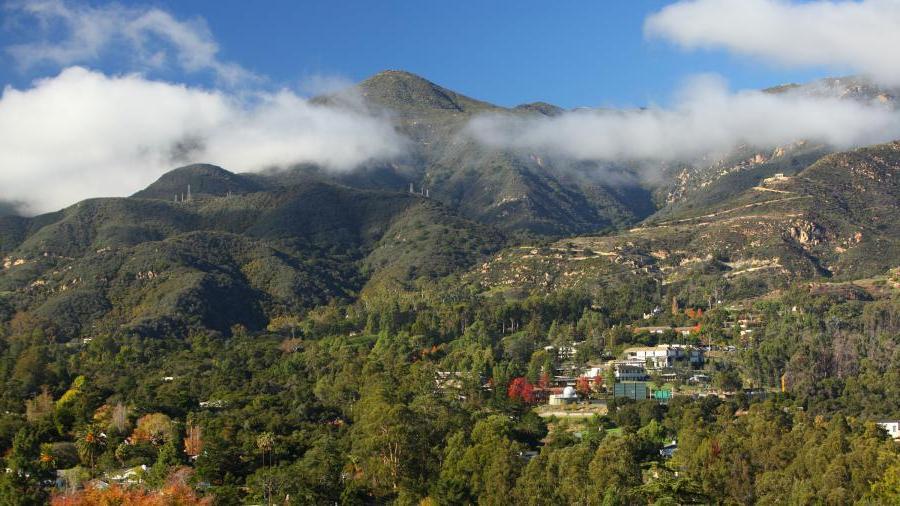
<point x="616" y="465"/>
<point x="728" y="380"/>
<point x="90" y="442"/>
<point x="280" y="324"/>
<point x="484" y="471"/>
<point x="156" y="428"/>
<point x="41" y="407"/>
<point x="193" y="440"/>
<point x="887" y="489"/>
<point x="521" y="390"/>
<point x="21" y="485"/>
<point x="265" y="443"/>
<point x="166" y="460"/>
<point x="385" y="443"/>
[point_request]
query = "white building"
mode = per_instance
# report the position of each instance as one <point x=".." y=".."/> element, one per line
<point x="624" y="370"/>
<point x="568" y="396"/>
<point x="892" y="427"/>
<point x="664" y="355"/>
<point x="562" y="352"/>
<point x="629" y="371"/>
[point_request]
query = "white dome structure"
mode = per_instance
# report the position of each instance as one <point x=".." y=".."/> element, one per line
<point x="569" y="392"/>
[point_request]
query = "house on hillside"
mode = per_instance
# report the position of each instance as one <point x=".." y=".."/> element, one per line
<point x="668" y="451"/>
<point x="629" y="371"/>
<point x="562" y="352"/>
<point x="624" y="370"/>
<point x="664" y="355"/>
<point x="892" y="427"/>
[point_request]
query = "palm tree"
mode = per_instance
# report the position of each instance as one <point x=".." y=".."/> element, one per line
<point x="90" y="441"/>
<point x="265" y="442"/>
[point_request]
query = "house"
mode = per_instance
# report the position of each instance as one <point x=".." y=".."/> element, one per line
<point x="892" y="427"/>
<point x="445" y="380"/>
<point x="629" y="371"/>
<point x="594" y="371"/>
<point x="668" y="450"/>
<point x="130" y="476"/>
<point x="656" y="311"/>
<point x="562" y="352"/>
<point x="664" y="355"/>
<point x="699" y="378"/>
<point x="624" y="370"/>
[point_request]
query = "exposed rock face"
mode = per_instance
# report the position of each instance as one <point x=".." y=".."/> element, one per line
<point x="806" y="233"/>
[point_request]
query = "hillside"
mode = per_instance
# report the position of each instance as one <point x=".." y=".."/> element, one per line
<point x="689" y="187"/>
<point x="836" y="219"/>
<point x="203" y="180"/>
<point x="229" y="255"/>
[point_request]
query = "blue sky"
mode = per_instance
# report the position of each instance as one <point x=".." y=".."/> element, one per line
<point x="578" y="53"/>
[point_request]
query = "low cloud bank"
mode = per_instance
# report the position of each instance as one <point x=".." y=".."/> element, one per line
<point x="84" y="134"/>
<point x="707" y="118"/>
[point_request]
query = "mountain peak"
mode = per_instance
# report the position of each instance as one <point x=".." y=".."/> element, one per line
<point x="406" y="92"/>
<point x="540" y="108"/>
<point x="203" y="178"/>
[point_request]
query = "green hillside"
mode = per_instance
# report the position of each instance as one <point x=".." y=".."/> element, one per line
<point x="203" y="180"/>
<point x="224" y="258"/>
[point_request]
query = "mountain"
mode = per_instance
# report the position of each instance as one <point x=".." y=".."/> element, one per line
<point x="686" y="187"/>
<point x="406" y="93"/>
<point x="520" y="192"/>
<point x="539" y="195"/>
<point x="835" y="219"/>
<point x="228" y="255"/>
<point x="247" y="247"/>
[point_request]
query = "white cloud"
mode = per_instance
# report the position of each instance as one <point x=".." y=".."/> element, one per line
<point x="84" y="134"/>
<point x="858" y="35"/>
<point x="149" y="38"/>
<point x="706" y="119"/>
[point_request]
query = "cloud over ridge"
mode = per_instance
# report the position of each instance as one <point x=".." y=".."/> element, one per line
<point x="707" y="118"/>
<point x="85" y="134"/>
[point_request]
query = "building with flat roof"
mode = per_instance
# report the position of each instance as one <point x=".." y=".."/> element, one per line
<point x="664" y="355"/>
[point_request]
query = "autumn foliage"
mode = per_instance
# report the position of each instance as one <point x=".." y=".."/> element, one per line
<point x="521" y="389"/>
<point x="155" y="428"/>
<point x="694" y="314"/>
<point x="172" y="495"/>
<point x="583" y="385"/>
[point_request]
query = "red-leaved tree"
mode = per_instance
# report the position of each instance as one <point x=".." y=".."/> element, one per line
<point x="522" y="390"/>
<point x="583" y="385"/>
